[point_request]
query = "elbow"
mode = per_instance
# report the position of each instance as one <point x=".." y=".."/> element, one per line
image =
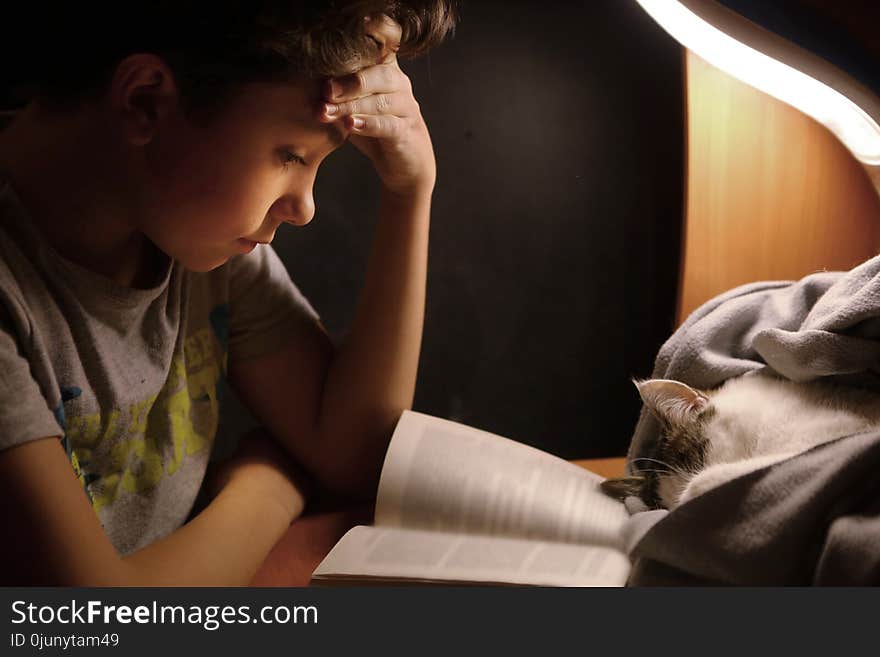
<point x="357" y="484"/>
<point x="349" y="464"/>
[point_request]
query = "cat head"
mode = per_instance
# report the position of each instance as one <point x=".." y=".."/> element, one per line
<point x="660" y="478"/>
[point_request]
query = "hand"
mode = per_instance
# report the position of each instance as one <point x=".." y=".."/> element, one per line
<point x="379" y="109"/>
<point x="260" y="464"/>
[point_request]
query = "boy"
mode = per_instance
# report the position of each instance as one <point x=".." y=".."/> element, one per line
<point x="139" y="189"/>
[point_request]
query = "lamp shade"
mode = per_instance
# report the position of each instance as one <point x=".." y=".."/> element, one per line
<point x="759" y="44"/>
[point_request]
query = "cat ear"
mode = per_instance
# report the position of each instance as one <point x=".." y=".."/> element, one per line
<point x="672" y="401"/>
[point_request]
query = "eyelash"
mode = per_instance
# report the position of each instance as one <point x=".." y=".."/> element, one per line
<point x="287" y="158"/>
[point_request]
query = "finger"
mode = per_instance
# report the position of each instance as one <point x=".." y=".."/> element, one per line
<point x="396" y="103"/>
<point x="381" y="127"/>
<point x="379" y="79"/>
<point x="386" y="32"/>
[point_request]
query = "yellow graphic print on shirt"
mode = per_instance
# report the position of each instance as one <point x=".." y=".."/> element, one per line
<point x="129" y="450"/>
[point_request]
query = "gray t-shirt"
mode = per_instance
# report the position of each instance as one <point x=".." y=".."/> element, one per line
<point x="128" y="378"/>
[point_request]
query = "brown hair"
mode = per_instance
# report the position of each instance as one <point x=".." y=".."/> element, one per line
<point x="211" y="47"/>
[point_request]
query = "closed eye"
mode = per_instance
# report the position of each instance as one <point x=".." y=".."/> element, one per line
<point x="288" y="158"/>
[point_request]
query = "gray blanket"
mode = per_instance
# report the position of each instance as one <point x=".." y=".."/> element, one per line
<point x="813" y="519"/>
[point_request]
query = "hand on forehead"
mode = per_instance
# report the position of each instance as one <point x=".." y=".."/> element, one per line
<point x="382" y="75"/>
<point x="376" y="105"/>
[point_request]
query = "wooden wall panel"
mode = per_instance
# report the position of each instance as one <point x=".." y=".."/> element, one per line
<point x="771" y="194"/>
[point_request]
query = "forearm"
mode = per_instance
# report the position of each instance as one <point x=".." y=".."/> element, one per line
<point x="223" y="546"/>
<point x="358" y="393"/>
<point x="373" y="376"/>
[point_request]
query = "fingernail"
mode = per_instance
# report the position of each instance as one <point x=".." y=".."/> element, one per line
<point x="334" y="88"/>
<point x="330" y="108"/>
<point x="357" y="122"/>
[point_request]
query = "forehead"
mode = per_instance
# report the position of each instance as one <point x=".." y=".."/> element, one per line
<point x="291" y="108"/>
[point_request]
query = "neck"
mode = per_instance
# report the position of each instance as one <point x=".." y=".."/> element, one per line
<point x="74" y="186"/>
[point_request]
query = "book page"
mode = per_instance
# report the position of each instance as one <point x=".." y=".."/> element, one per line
<point x="373" y="554"/>
<point x="444" y="476"/>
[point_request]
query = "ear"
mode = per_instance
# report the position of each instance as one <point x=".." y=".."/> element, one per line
<point x="142" y="93"/>
<point x="672" y="401"/>
<point x="623" y="487"/>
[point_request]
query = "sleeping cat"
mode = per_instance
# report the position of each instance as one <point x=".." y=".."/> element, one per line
<point x="711" y="437"/>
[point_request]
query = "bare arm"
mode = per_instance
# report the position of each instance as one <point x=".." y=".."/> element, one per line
<point x="334" y="411"/>
<point x="374" y="375"/>
<point x="60" y="542"/>
<point x="347" y="403"/>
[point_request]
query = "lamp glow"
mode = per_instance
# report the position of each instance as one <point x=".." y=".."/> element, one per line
<point x="849" y="123"/>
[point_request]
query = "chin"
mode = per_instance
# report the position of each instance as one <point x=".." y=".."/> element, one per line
<point x="201" y="268"/>
<point x="202" y="264"/>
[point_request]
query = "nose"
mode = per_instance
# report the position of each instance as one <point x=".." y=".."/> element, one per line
<point x="295" y="207"/>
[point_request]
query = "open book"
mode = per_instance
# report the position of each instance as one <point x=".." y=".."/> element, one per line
<point x="459" y="505"/>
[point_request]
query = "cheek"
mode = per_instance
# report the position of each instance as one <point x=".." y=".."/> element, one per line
<point x="684" y="454"/>
<point x="214" y="169"/>
<point x="670" y="488"/>
<point x="177" y="152"/>
<point x="205" y="194"/>
<point x="214" y="196"/>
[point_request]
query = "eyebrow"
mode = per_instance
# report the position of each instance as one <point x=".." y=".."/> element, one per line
<point x="334" y="133"/>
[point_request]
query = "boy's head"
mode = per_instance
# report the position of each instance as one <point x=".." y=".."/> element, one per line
<point x="207" y="112"/>
<point x="69" y="53"/>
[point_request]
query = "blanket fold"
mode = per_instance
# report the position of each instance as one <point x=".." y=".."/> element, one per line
<point x="812" y="519"/>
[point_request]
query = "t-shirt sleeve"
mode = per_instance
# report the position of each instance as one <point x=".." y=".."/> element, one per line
<point x="266" y="309"/>
<point x="24" y="410"/>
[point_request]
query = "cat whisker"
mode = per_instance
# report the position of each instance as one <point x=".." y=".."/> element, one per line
<point x="645" y="458"/>
<point x="639" y="471"/>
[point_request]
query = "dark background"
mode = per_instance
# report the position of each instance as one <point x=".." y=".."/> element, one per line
<point x="559" y="134"/>
<point x="558" y="131"/>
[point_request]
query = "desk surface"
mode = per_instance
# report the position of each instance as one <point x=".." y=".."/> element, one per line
<point x="606" y="467"/>
<point x="309" y="538"/>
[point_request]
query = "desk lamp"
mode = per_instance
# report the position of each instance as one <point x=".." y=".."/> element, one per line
<point x="812" y="66"/>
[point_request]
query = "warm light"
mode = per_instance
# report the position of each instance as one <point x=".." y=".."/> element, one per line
<point x="858" y="131"/>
